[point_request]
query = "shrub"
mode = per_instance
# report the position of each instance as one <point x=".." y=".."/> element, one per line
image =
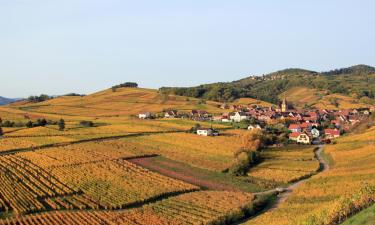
<point x="86" y="123"/>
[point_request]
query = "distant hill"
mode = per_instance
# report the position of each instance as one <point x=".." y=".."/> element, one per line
<point x="5" y="101"/>
<point x="356" y="82"/>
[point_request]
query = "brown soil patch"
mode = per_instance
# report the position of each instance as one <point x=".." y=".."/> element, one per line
<point x="181" y="174"/>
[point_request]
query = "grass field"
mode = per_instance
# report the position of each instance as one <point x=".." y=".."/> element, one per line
<point x="365" y="217"/>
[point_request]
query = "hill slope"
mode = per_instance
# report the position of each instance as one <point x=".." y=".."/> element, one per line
<point x="356" y="81"/>
<point x="122" y="102"/>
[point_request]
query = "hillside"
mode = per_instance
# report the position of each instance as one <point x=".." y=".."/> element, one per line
<point x="302" y="97"/>
<point x="357" y="82"/>
<point x="122" y="102"/>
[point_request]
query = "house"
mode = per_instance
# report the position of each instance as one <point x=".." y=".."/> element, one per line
<point x="255" y="126"/>
<point x="207" y="132"/>
<point x="315" y="133"/>
<point x="170" y="114"/>
<point x="303" y="138"/>
<point x="146" y="115"/>
<point x="331" y="133"/>
<point x="218" y="118"/>
<point x="293" y="136"/>
<point x="239" y="116"/>
<point x="294" y="128"/>
<point x="306" y="126"/>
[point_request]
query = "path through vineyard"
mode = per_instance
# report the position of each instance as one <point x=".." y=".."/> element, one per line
<point x="289" y="190"/>
<point x="284" y="193"/>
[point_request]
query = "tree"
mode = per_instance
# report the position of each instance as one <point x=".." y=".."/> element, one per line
<point x="29" y="124"/>
<point x="61" y="125"/>
<point x="41" y="122"/>
<point x="248" y="155"/>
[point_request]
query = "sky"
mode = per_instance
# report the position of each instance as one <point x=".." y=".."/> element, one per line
<point x="57" y="47"/>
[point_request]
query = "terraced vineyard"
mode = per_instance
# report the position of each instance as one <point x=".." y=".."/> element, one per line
<point x="193" y="208"/>
<point x="28" y="188"/>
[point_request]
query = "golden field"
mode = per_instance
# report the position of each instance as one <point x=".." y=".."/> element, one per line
<point x="83" y="175"/>
<point x="286" y="165"/>
<point x="333" y="195"/>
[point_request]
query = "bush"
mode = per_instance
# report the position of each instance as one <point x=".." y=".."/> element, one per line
<point x="86" y="123"/>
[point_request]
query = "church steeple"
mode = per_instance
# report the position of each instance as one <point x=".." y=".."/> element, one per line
<point x="284" y="105"/>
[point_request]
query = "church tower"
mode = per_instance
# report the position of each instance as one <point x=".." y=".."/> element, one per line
<point x="284" y="105"/>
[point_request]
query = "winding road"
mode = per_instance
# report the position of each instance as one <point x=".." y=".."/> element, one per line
<point x="284" y="193"/>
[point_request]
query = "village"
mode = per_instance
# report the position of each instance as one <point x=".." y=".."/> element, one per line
<point x="304" y="126"/>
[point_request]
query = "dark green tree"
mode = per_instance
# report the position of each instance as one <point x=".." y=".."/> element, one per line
<point x="61" y="125"/>
<point x="29" y="124"/>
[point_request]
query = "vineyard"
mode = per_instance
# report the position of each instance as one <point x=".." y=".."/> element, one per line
<point x="28" y="188"/>
<point x="208" y="153"/>
<point x="202" y="207"/>
<point x="286" y="165"/>
<point x="333" y="196"/>
<point x="97" y="174"/>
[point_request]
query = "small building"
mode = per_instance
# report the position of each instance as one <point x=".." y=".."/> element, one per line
<point x="207" y="132"/>
<point x="294" y="135"/>
<point x="331" y="133"/>
<point x="295" y="128"/>
<point x="315" y="133"/>
<point x="239" y="116"/>
<point x="303" y="138"/>
<point x="255" y="126"/>
<point x="306" y="126"/>
<point x="170" y="114"/>
<point x="146" y="115"/>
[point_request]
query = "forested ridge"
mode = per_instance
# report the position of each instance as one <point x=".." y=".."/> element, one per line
<point x="356" y="81"/>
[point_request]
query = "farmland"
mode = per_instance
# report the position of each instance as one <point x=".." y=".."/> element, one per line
<point x="123" y="170"/>
<point x="286" y="165"/>
<point x="334" y="195"/>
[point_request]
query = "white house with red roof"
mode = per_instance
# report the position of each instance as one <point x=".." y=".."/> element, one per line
<point x="331" y="133"/>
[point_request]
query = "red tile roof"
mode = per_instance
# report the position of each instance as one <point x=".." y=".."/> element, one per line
<point x="294" y="126"/>
<point x="295" y="134"/>
<point x="332" y="132"/>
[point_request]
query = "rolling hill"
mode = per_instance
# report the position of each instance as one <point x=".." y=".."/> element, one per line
<point x="122" y="102"/>
<point x="355" y="84"/>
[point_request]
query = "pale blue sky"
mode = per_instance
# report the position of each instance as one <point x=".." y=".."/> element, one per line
<point x="61" y="46"/>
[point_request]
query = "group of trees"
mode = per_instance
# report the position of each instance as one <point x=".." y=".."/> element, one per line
<point x="249" y="153"/>
<point x="40" y="98"/>
<point x="269" y="87"/>
<point x="41" y="122"/>
<point x="126" y="84"/>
